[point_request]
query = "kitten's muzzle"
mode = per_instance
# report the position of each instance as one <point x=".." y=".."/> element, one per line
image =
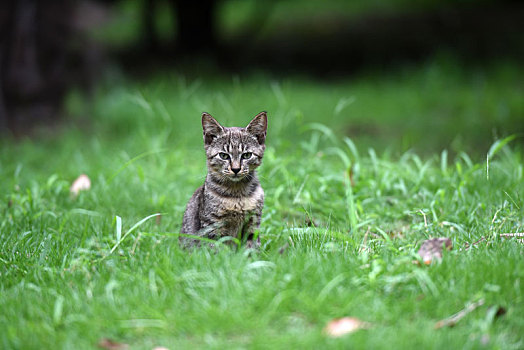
<point x="235" y="170"/>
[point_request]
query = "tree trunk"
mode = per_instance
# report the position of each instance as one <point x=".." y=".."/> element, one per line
<point x="33" y="58"/>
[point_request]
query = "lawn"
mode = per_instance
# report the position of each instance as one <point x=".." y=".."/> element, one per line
<point x="357" y="174"/>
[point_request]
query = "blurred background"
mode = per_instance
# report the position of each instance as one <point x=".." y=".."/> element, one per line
<point x="421" y="74"/>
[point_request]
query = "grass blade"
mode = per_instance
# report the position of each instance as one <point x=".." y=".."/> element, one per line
<point x="497" y="145"/>
<point x="495" y="148"/>
<point x="129" y="231"/>
<point x="326" y="131"/>
<point x="118" y="228"/>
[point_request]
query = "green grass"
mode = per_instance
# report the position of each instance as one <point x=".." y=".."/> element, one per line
<point x="71" y="275"/>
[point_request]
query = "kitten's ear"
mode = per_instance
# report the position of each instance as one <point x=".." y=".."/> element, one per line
<point x="211" y="128"/>
<point x="258" y="127"/>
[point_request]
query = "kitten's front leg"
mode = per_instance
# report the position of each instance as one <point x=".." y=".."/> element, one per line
<point x="248" y="231"/>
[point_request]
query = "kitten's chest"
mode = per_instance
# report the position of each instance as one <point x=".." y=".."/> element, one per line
<point x="223" y="207"/>
<point x="241" y="205"/>
<point x="231" y="213"/>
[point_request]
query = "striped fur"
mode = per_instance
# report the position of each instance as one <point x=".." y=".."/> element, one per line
<point x="230" y="201"/>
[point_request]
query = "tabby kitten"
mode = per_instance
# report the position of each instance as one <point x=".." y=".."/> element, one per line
<point x="230" y="201"/>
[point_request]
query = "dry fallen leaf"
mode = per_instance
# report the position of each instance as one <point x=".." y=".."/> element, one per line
<point x="431" y="249"/>
<point x="342" y="326"/>
<point x="108" y="344"/>
<point x="82" y="183"/>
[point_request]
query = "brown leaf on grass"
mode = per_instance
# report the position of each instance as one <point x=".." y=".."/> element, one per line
<point x="108" y="344"/>
<point x="454" y="319"/>
<point x="431" y="249"/>
<point x="345" y="325"/>
<point x="82" y="183"/>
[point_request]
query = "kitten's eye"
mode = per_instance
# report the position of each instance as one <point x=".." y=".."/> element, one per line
<point x="246" y="155"/>
<point x="223" y="156"/>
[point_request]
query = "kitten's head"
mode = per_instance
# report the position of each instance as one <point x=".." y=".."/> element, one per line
<point x="234" y="153"/>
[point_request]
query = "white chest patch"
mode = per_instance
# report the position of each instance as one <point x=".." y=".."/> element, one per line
<point x="243" y="204"/>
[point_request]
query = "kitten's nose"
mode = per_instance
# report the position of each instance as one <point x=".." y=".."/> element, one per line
<point x="235" y="170"/>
